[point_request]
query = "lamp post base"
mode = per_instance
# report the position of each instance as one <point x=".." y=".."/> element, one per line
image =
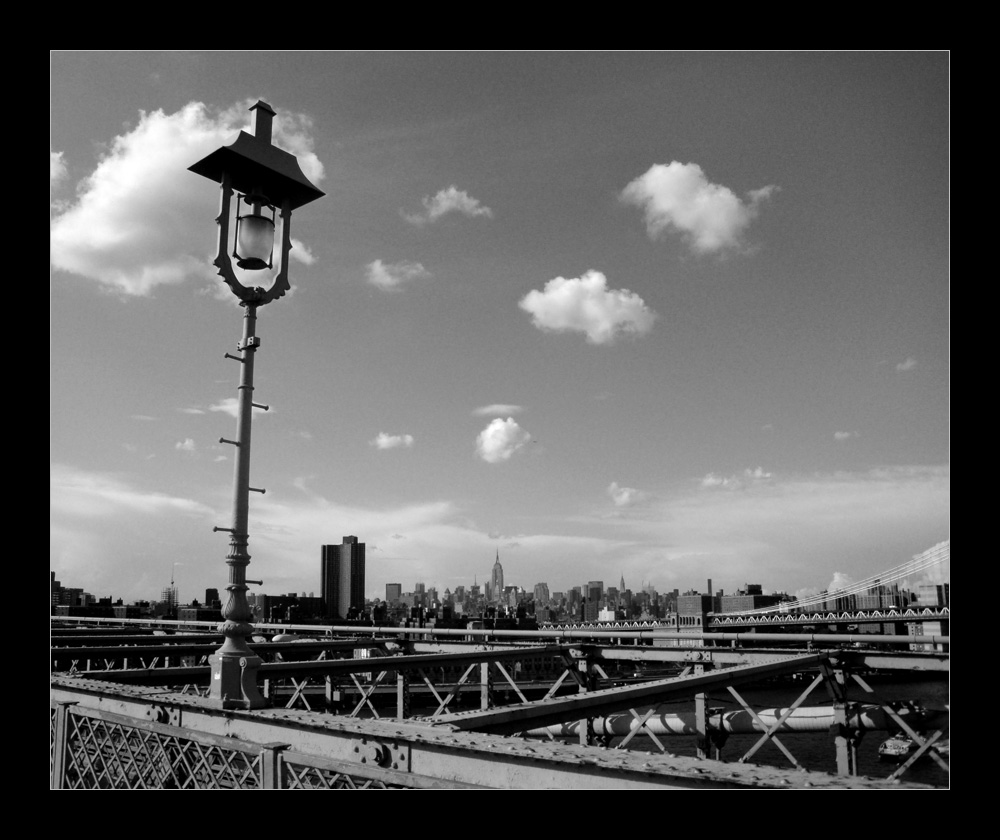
<point x="234" y="681"/>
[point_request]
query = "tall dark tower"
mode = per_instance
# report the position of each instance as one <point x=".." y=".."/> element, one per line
<point x="496" y="581"/>
<point x="342" y="577"/>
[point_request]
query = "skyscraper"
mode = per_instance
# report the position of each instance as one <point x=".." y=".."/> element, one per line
<point x="342" y="577"/>
<point x="496" y="581"/>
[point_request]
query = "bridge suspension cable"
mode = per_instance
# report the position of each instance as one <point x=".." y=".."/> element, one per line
<point x="934" y="556"/>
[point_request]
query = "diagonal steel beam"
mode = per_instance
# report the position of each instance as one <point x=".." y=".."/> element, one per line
<point x="768" y="732"/>
<point x="430" y="685"/>
<point x="454" y="692"/>
<point x="924" y="747"/>
<point x="509" y="679"/>
<point x="366" y="695"/>
<point x="642" y="725"/>
<point x="909" y="731"/>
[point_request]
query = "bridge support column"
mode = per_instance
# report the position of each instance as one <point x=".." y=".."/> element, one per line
<point x="704" y="744"/>
<point x="845" y="736"/>
<point x="587" y="681"/>
<point x="270" y="762"/>
<point x="485" y="686"/>
<point x="702" y="713"/>
<point x="402" y="695"/>
<point x="60" y="743"/>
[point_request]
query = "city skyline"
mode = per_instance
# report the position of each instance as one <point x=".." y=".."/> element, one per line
<point x="666" y="316"/>
<point x="927" y="567"/>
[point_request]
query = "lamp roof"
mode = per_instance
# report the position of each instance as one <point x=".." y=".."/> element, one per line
<point x="254" y="164"/>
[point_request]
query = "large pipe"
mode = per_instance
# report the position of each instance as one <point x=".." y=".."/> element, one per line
<point x="570" y="633"/>
<point x="807" y="719"/>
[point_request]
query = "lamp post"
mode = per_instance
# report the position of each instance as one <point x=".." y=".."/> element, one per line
<point x="266" y="179"/>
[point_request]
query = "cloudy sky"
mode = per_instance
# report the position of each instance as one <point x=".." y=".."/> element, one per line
<point x="660" y="316"/>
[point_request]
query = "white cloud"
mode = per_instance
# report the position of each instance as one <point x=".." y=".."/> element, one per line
<point x="140" y="218"/>
<point x="844" y="435"/>
<point x="450" y="200"/>
<point x="98" y="496"/>
<point x="300" y="252"/>
<point x="186" y="445"/>
<point x="586" y="305"/>
<point x="625" y="496"/>
<point x="385" y="441"/>
<point x="678" y="197"/>
<point x="230" y="406"/>
<point x="497" y="408"/>
<point x="737" y="482"/>
<point x="191" y="411"/>
<point x="500" y="440"/>
<point x="392" y="276"/>
<point x="909" y="364"/>
<point x="57" y="168"/>
<point x="839" y="581"/>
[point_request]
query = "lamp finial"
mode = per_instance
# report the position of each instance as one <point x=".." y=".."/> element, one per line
<point x="263" y="116"/>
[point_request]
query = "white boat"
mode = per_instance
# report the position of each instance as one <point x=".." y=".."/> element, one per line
<point x="897" y="748"/>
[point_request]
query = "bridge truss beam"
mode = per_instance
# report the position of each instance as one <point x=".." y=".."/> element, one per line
<point x="112" y="736"/>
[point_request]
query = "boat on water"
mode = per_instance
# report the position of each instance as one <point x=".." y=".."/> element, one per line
<point x="897" y="748"/>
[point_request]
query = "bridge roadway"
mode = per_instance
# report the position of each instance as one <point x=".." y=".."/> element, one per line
<point x="109" y="731"/>
<point x="887" y="617"/>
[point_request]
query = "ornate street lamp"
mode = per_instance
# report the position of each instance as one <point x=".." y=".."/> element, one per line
<point x="267" y="180"/>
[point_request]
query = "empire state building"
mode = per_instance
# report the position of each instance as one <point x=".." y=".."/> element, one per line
<point x="496" y="581"/>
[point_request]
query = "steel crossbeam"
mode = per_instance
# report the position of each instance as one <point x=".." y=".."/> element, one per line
<point x="454" y="692"/>
<point x="923" y="745"/>
<point x="507" y="676"/>
<point x="108" y="640"/>
<point x="643" y="720"/>
<point x="115" y="652"/>
<point x="366" y="693"/>
<point x="427" y="681"/>
<point x="769" y="732"/>
<point x="277" y="670"/>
